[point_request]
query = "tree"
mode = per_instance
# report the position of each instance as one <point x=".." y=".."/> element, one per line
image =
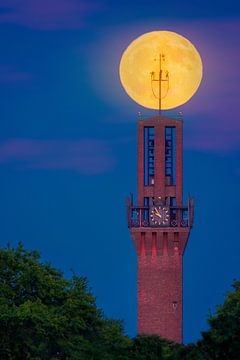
<point x="153" y="348"/>
<point x="189" y="352"/>
<point x="45" y="316"/>
<point x="222" y="340"/>
<point x="112" y="344"/>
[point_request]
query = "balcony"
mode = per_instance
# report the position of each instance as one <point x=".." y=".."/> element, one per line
<point x="179" y="216"/>
<point x="171" y="114"/>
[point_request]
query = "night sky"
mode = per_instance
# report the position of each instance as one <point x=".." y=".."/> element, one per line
<point x="68" y="143"/>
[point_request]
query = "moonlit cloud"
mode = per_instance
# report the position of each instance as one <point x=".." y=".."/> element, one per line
<point x="86" y="156"/>
<point x="46" y="14"/>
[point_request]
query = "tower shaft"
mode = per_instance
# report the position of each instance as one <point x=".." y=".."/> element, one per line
<point x="160" y="226"/>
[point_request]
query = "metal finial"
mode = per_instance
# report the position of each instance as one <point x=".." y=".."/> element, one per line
<point x="163" y="76"/>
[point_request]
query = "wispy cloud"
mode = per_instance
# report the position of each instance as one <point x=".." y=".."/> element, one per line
<point x="46" y="14"/>
<point x="9" y="74"/>
<point x="86" y="156"/>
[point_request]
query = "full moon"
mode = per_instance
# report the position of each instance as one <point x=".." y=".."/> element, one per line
<point x="164" y="52"/>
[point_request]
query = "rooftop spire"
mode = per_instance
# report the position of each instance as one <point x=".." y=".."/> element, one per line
<point x="162" y="76"/>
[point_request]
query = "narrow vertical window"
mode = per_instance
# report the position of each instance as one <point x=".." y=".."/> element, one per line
<point x="146" y="209"/>
<point x="170" y="155"/>
<point x="173" y="210"/>
<point x="148" y="156"/>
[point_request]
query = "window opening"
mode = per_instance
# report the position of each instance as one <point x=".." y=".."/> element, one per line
<point x="146" y="211"/>
<point x="170" y="155"/>
<point x="148" y="156"/>
<point x="173" y="211"/>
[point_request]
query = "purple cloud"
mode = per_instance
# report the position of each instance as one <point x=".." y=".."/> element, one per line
<point x="9" y="74"/>
<point x="45" y="14"/>
<point x="86" y="156"/>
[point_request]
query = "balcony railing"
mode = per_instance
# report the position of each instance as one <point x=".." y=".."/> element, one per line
<point x="176" y="115"/>
<point x="179" y="216"/>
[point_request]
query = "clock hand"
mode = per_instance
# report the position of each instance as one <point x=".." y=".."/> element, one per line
<point x="157" y="213"/>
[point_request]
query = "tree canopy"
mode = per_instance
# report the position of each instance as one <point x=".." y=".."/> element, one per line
<point x="222" y="340"/>
<point x="43" y="315"/>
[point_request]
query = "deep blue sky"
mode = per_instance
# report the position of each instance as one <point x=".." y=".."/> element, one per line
<point x="68" y="143"/>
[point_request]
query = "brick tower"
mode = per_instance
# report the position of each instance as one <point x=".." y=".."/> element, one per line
<point x="160" y="225"/>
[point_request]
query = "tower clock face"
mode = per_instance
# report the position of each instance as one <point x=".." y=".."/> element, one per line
<point x="159" y="216"/>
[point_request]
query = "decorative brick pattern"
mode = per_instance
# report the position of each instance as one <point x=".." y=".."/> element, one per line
<point x="160" y="285"/>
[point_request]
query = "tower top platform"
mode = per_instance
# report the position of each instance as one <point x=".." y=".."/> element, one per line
<point x="164" y="116"/>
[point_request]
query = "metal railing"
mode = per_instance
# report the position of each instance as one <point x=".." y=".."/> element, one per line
<point x="175" y="115"/>
<point x="140" y="216"/>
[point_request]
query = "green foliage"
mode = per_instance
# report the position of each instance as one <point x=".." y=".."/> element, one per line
<point x="153" y="348"/>
<point x="222" y="341"/>
<point x="44" y="316"/>
<point x="112" y="344"/>
<point x="147" y="347"/>
<point x="189" y="352"/>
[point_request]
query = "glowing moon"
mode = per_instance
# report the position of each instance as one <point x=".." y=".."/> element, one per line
<point x="182" y="66"/>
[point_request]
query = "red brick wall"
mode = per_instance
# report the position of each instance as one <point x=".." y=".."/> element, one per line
<point x="160" y="292"/>
<point x="159" y="188"/>
<point x="160" y="250"/>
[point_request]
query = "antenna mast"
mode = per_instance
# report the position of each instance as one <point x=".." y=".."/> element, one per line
<point x="163" y="76"/>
